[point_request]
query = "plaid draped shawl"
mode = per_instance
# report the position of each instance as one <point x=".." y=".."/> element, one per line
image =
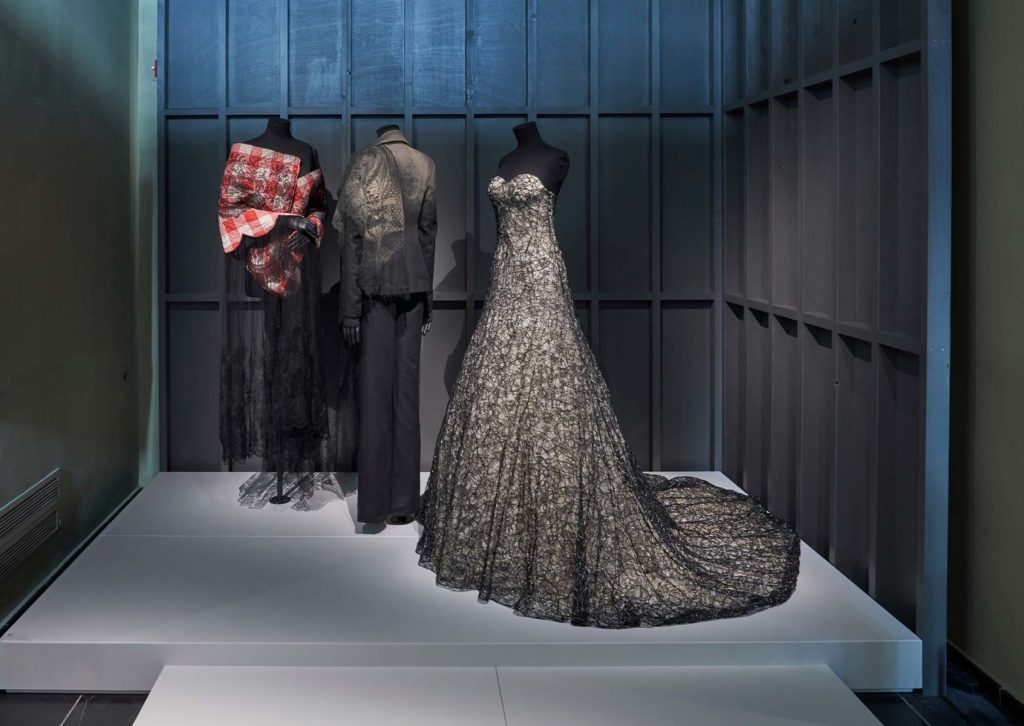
<point x="259" y="186"/>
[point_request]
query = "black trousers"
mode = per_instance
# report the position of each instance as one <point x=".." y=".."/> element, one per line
<point x="389" y="408"/>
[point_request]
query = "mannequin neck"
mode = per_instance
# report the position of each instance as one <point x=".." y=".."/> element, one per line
<point x="535" y="156"/>
<point x="527" y="135"/>
<point x="277" y="136"/>
<point x="279" y="127"/>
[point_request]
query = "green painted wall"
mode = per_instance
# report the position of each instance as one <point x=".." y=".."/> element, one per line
<point x="144" y="176"/>
<point x="986" y="615"/>
<point x="68" y="382"/>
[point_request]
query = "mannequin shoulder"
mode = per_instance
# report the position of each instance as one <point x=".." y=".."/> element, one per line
<point x="560" y="163"/>
<point x="558" y="157"/>
<point x="507" y="158"/>
<point x="303" y="149"/>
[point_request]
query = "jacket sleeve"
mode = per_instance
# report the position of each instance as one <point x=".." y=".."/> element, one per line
<point x="428" y="231"/>
<point x="350" y="240"/>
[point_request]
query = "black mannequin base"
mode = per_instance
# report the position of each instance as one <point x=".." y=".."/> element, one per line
<point x="280" y="497"/>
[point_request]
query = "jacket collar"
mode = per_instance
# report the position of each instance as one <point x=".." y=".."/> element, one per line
<point x="394" y="136"/>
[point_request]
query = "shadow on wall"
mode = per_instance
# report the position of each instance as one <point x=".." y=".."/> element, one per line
<point x="454" y="280"/>
<point x="66" y="53"/>
<point x="67" y="372"/>
<point x="961" y="439"/>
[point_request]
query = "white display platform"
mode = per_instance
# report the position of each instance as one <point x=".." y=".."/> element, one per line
<point x="185" y="576"/>
<point x="722" y="696"/>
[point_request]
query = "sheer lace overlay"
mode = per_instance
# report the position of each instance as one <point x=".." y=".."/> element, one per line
<point x="536" y="501"/>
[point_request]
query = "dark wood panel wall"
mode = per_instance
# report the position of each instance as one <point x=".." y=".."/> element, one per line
<point x="629" y="89"/>
<point x="826" y="245"/>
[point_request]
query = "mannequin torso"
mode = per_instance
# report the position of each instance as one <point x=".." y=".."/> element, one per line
<point x="534" y="156"/>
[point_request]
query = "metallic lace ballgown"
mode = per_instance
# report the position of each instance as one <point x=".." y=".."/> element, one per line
<point x="536" y="501"/>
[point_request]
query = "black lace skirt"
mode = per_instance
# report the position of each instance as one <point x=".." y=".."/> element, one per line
<point x="272" y="394"/>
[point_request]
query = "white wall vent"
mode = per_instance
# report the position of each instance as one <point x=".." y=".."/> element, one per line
<point x="29" y="520"/>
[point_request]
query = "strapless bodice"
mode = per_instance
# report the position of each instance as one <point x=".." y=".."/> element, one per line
<point x="524" y="209"/>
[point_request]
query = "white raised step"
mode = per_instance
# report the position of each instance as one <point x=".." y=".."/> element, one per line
<point x="185" y="576"/>
<point x="266" y="696"/>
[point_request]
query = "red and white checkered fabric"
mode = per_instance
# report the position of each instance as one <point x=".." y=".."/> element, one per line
<point x="259" y="185"/>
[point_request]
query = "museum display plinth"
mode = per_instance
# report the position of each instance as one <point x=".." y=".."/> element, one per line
<point x="186" y="576"/>
<point x="653" y="696"/>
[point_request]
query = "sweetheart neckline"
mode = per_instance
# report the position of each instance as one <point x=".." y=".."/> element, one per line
<point x="525" y="173"/>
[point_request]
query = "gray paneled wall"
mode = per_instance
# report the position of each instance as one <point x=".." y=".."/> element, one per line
<point x="628" y="89"/>
<point x="825" y="246"/>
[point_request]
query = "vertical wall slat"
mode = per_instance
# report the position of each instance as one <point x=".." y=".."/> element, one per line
<point x="717" y="97"/>
<point x="472" y="239"/>
<point x="933" y="538"/>
<point x="407" y="68"/>
<point x="654" y="36"/>
<point x="284" y="15"/>
<point x="595" y="171"/>
<point x="160" y="287"/>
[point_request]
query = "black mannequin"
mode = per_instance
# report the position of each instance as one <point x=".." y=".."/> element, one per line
<point x="535" y="156"/>
<point x="278" y="137"/>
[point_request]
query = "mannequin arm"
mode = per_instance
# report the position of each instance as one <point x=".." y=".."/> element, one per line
<point x="428" y="236"/>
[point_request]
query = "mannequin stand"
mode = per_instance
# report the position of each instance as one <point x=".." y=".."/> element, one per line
<point x="280" y="497"/>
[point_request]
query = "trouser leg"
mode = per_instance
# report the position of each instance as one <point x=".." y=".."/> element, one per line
<point x="376" y="374"/>
<point x="405" y="473"/>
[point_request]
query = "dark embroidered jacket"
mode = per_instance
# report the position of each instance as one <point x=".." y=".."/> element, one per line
<point x="259" y="185"/>
<point x="387" y="221"/>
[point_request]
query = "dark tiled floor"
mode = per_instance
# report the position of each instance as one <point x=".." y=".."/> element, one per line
<point x="106" y="709"/>
<point x="890" y="709"/>
<point x="963" y="705"/>
<point x="69" y="709"/>
<point x="35" y="709"/>
<point x="973" y="696"/>
<point x="959" y="707"/>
